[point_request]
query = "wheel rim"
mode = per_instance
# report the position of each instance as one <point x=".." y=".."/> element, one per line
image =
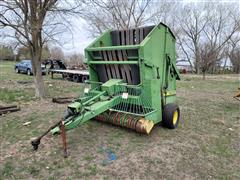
<point x="16" y="70"/>
<point x="175" y="117"/>
<point x="28" y="72"/>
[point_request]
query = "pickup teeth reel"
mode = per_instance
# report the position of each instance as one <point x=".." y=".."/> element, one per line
<point x="133" y="122"/>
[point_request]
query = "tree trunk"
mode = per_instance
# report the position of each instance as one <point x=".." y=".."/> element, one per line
<point x="204" y="75"/>
<point x="197" y="67"/>
<point x="38" y="78"/>
<point x="224" y="66"/>
<point x="236" y="67"/>
<point x="197" y="58"/>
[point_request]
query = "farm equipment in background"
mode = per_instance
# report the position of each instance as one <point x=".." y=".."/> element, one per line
<point x="55" y="64"/>
<point x="132" y="82"/>
<point x="72" y="74"/>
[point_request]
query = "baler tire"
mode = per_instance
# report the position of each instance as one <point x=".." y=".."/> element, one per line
<point x="171" y="116"/>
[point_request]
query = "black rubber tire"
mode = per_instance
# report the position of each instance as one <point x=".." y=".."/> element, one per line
<point x="168" y="115"/>
<point x="17" y="70"/>
<point x="75" y="78"/>
<point x="28" y="72"/>
<point x="84" y="78"/>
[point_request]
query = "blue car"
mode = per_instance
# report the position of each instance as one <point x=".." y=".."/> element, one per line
<point x="25" y="66"/>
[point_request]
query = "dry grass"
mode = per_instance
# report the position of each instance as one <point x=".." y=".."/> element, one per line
<point x="205" y="146"/>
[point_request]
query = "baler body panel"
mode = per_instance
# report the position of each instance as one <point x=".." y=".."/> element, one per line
<point x="132" y="76"/>
<point x="148" y="54"/>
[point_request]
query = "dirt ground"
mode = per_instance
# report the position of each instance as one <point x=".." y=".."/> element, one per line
<point x="206" y="145"/>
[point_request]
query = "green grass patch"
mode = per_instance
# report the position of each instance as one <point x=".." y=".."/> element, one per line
<point x="8" y="169"/>
<point x="204" y="146"/>
<point x="10" y="96"/>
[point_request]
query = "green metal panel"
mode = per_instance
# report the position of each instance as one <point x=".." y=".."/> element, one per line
<point x="95" y="109"/>
<point x="136" y="75"/>
<point x="112" y="47"/>
<point x="113" y="62"/>
<point x="156" y="62"/>
<point x="103" y="40"/>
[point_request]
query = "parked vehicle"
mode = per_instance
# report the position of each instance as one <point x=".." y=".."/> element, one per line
<point x="25" y="66"/>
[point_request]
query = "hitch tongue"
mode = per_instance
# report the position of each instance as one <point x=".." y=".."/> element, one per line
<point x="35" y="143"/>
<point x="64" y="139"/>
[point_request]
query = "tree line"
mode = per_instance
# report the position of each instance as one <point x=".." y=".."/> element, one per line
<point x="207" y="32"/>
<point x="54" y="53"/>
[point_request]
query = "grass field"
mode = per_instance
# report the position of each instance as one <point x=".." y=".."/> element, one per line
<point x="206" y="144"/>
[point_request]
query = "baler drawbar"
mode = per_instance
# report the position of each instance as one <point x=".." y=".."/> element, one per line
<point x="132" y="82"/>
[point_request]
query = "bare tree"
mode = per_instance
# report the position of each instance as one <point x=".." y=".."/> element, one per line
<point x="56" y="53"/>
<point x="24" y="53"/>
<point x="205" y="31"/>
<point x="75" y="60"/>
<point x="195" y="25"/>
<point x="192" y="24"/>
<point x="45" y="52"/>
<point x="33" y="23"/>
<point x="6" y="52"/>
<point x="102" y="15"/>
<point x="221" y="26"/>
<point x="234" y="54"/>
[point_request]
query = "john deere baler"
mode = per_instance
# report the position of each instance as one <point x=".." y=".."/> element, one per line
<point x="132" y="80"/>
